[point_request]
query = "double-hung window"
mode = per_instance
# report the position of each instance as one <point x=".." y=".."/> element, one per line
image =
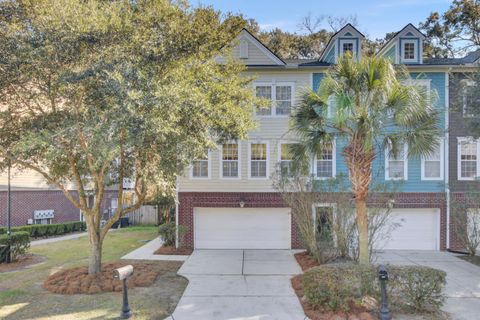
<point x="409" y="50"/>
<point x="201" y="168"/>
<point x="230" y="160"/>
<point x="325" y="162"/>
<point x="467" y="159"/>
<point x="279" y="96"/>
<point x="396" y="165"/>
<point x="258" y="160"/>
<point x="432" y="164"/>
<point x="348" y="46"/>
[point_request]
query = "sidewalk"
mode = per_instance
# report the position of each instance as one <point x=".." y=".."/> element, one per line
<point x="146" y="252"/>
<point x="57" y="239"/>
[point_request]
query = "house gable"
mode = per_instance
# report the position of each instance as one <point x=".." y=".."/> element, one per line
<point x="405" y="47"/>
<point x="347" y="38"/>
<point x="248" y="49"/>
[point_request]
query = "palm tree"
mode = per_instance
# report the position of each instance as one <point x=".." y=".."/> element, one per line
<point x="375" y="106"/>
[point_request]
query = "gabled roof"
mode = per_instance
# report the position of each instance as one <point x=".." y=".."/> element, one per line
<point x="348" y="26"/>
<point x="275" y="58"/>
<point x="394" y="38"/>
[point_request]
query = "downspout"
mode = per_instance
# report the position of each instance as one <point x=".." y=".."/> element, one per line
<point x="176" y="214"/>
<point x="446" y="150"/>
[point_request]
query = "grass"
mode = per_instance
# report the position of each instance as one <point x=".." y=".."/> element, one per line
<point x="22" y="295"/>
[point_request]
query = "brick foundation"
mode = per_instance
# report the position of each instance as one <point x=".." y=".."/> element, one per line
<point x="24" y="203"/>
<point x="190" y="200"/>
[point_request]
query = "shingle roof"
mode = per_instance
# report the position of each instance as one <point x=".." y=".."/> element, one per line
<point x="469" y="58"/>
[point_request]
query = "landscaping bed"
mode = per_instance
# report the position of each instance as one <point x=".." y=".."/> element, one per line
<point x="170" y="250"/>
<point x="77" y="280"/>
<point x="26" y="285"/>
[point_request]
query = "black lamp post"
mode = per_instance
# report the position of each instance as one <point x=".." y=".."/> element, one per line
<point x="9" y="207"/>
<point x="384" y="309"/>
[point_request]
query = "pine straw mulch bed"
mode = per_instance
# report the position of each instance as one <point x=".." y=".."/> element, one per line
<point x="77" y="280"/>
<point x="169" y="250"/>
<point x="306" y="262"/>
<point x="23" y="262"/>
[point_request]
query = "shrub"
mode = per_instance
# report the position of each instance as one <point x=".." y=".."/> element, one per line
<point x="168" y="233"/>
<point x="19" y="243"/>
<point x="339" y="286"/>
<point x="41" y="230"/>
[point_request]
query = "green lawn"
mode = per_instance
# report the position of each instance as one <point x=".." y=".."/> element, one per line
<point x="22" y="297"/>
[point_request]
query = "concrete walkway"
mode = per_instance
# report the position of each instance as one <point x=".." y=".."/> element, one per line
<point x="57" y="239"/>
<point x="146" y="252"/>
<point x="463" y="279"/>
<point x="239" y="284"/>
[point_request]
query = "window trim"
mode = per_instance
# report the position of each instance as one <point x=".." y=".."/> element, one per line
<point x="415" y="50"/>
<point x="209" y="157"/>
<point x="239" y="161"/>
<point x="348" y="41"/>
<point x="405" y="164"/>
<point x="442" y="164"/>
<point x="459" y="156"/>
<point x="273" y="84"/>
<point x="334" y="163"/>
<point x="267" y="176"/>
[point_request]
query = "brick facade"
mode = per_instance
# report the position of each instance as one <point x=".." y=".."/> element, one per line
<point x="24" y="203"/>
<point x="190" y="200"/>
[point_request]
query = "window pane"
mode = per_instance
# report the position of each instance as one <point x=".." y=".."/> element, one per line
<point x="432" y="169"/>
<point x="409" y="51"/>
<point x="324" y="169"/>
<point x="258" y="169"/>
<point x="264" y="92"/>
<point x="468" y="151"/>
<point x="468" y="169"/>
<point x="200" y="169"/>
<point x="286" y="152"/>
<point x="471" y="100"/>
<point x="396" y="169"/>
<point x="259" y="151"/>
<point x="230" y="169"/>
<point x="347" y="47"/>
<point x="283" y="100"/>
<point x="230" y="151"/>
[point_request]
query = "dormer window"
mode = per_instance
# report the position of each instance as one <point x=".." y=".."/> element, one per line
<point x="348" y="46"/>
<point x="409" y="50"/>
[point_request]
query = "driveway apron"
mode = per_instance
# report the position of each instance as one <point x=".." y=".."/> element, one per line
<point x="240" y="285"/>
<point x="463" y="279"/>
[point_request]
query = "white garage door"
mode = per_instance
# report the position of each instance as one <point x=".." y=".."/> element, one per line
<point x="242" y="228"/>
<point x="419" y="229"/>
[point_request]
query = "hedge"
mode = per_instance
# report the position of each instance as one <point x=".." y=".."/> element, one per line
<point x="45" y="230"/>
<point x="19" y="244"/>
<point x="339" y="286"/>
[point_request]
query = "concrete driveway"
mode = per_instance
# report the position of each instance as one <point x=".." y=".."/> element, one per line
<point x="240" y="285"/>
<point x="463" y="279"/>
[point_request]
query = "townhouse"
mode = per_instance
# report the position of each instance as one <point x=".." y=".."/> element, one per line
<point x="227" y="200"/>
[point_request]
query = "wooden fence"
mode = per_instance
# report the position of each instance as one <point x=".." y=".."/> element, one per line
<point x="149" y="215"/>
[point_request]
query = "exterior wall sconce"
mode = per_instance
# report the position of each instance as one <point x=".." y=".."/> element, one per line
<point x="242" y="203"/>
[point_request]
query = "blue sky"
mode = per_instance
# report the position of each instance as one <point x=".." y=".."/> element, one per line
<point x="375" y="17"/>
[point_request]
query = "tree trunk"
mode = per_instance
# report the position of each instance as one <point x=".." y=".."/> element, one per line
<point x="362" y="225"/>
<point x="95" y="258"/>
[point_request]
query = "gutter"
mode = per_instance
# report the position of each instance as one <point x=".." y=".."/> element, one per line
<point x="446" y="156"/>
